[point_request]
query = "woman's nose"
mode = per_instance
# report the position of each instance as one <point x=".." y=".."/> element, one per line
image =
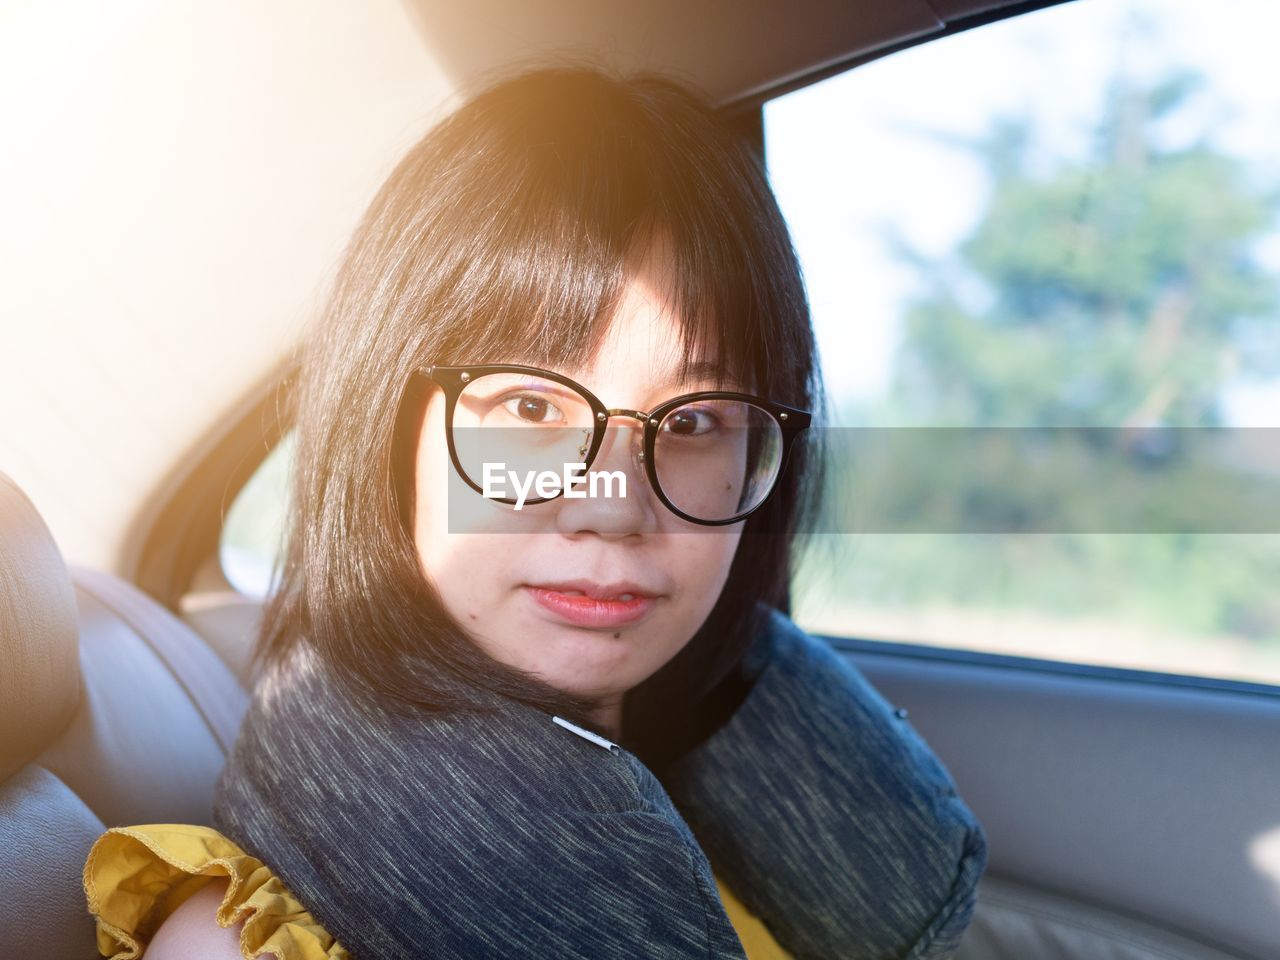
<point x="615" y="500"/>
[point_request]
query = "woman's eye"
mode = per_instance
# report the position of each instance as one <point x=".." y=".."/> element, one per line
<point x="690" y="422"/>
<point x="531" y="409"/>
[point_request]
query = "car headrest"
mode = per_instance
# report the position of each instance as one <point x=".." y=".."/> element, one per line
<point x="39" y="634"/>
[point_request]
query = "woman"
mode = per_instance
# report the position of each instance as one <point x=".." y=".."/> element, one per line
<point x="507" y="715"/>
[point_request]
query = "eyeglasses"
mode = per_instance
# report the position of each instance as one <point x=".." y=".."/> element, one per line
<point x="712" y="457"/>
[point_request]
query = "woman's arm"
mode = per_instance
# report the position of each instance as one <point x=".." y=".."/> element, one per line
<point x="192" y="931"/>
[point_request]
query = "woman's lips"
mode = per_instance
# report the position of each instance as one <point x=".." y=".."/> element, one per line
<point x="591" y="606"/>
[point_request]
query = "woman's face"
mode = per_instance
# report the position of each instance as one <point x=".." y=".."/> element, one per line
<point x="591" y="595"/>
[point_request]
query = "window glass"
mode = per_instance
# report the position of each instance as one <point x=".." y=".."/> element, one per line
<point x="253" y="530"/>
<point x="1067" y="219"/>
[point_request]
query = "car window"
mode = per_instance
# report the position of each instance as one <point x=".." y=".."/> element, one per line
<point x="1064" y="220"/>
<point x="253" y="530"/>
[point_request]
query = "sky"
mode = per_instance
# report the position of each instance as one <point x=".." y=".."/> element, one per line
<point x="861" y="156"/>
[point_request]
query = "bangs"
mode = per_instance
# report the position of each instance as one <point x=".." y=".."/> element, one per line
<point x="569" y="188"/>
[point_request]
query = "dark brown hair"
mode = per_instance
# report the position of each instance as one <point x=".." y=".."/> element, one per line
<point x="512" y="222"/>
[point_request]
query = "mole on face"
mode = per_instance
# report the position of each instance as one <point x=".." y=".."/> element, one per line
<point x="616" y="636"/>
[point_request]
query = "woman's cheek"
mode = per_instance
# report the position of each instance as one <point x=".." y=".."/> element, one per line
<point x="704" y="563"/>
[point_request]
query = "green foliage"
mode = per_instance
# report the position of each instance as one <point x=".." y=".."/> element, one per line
<point x="1186" y="585"/>
<point x="1117" y="289"/>
<point x="1106" y="291"/>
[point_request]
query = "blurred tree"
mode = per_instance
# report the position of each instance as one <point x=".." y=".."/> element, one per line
<point x="1120" y="290"/>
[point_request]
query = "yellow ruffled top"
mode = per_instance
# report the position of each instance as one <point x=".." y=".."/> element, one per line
<point x="136" y="876"/>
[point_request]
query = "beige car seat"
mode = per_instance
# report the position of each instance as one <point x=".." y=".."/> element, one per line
<point x="112" y="711"/>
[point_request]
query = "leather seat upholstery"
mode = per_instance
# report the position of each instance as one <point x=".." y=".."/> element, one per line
<point x="112" y="711"/>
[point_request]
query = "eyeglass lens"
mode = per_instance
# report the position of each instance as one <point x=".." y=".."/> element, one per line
<point x="714" y="459"/>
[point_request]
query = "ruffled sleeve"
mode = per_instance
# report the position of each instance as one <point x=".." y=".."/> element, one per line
<point x="135" y="877"/>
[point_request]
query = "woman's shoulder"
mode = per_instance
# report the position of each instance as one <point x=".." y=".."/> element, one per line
<point x="459" y="812"/>
<point x="437" y="820"/>
<point x="234" y="918"/>
<point x="589" y="886"/>
<point x="173" y="888"/>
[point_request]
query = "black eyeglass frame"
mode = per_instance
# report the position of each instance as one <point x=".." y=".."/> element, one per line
<point x="453" y="380"/>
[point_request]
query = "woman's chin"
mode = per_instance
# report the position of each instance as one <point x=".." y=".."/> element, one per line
<point x="589" y="663"/>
